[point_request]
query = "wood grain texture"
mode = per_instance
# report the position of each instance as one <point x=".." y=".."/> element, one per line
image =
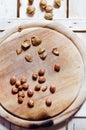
<point x="69" y="34"/>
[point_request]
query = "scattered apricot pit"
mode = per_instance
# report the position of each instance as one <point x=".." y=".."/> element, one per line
<point x="19" y="51"/>
<point x="41" y="72"/>
<point x="48" y="102"/>
<point x="25" y="86"/>
<point x="30" y="10"/>
<point x="14" y="90"/>
<point x="52" y="89"/>
<point x="44" y="88"/>
<point x="57" y="3"/>
<point x="48" y="16"/>
<point x="30" y="92"/>
<point x="21" y="94"/>
<point x="43" y="4"/>
<point x="20" y="100"/>
<point x="20" y="29"/>
<point x="55" y="51"/>
<point x="34" y="76"/>
<point x="20" y="87"/>
<point x="37" y="87"/>
<point x="30" y="103"/>
<point x="12" y="80"/>
<point x="23" y="80"/>
<point x="29" y="58"/>
<point x="26" y="44"/>
<point x="18" y="83"/>
<point x="43" y="55"/>
<point x="36" y="40"/>
<point x="41" y="80"/>
<point x="49" y="9"/>
<point x="41" y="50"/>
<point x="57" y="67"/>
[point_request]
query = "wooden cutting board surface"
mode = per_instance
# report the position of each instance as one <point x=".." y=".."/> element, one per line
<point x="68" y="80"/>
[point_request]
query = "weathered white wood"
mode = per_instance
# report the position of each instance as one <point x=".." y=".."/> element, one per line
<point x="77" y="8"/>
<point x="58" y="12"/>
<point x="77" y="124"/>
<point x="4" y="125"/>
<point x="82" y="111"/>
<point x="73" y="24"/>
<point x="8" y="8"/>
<point x="82" y="36"/>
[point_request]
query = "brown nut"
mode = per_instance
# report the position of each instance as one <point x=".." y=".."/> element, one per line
<point x="37" y="87"/>
<point x="14" y="90"/>
<point x="25" y="86"/>
<point x="48" y="16"/>
<point x="26" y="44"/>
<point x="34" y="76"/>
<point x="12" y="80"/>
<point x="30" y="103"/>
<point x="57" y="67"/>
<point x="30" y="2"/>
<point x="19" y="51"/>
<point x="55" y="51"/>
<point x="43" y="4"/>
<point x="20" y="87"/>
<point x="30" y="10"/>
<point x="41" y="50"/>
<point x="20" y="100"/>
<point x="41" y="80"/>
<point x="49" y="9"/>
<point x="18" y="83"/>
<point x="48" y="102"/>
<point x="30" y="92"/>
<point x="36" y="40"/>
<point x="23" y="80"/>
<point x="28" y="58"/>
<point x="41" y="72"/>
<point x="21" y="94"/>
<point x="43" y="55"/>
<point x="20" y="29"/>
<point x="57" y="3"/>
<point x="52" y="89"/>
<point x="44" y="88"/>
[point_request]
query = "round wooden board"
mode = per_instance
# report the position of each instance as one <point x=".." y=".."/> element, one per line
<point x="69" y="82"/>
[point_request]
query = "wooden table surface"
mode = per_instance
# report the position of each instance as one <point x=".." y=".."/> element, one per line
<point x="72" y="14"/>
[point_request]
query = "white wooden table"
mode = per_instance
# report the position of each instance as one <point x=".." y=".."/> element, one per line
<point x="72" y="14"/>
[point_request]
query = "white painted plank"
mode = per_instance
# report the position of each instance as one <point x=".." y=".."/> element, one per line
<point x="83" y="37"/>
<point x="4" y="125"/>
<point x="82" y="111"/>
<point x="77" y="8"/>
<point x="73" y="24"/>
<point x="58" y="13"/>
<point x="77" y="124"/>
<point x="8" y="8"/>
